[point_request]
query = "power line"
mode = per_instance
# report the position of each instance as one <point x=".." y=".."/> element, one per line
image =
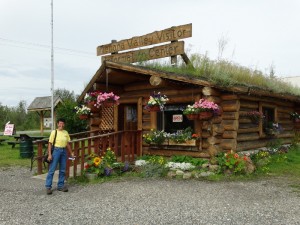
<point x="46" y="46"/>
<point x="59" y="51"/>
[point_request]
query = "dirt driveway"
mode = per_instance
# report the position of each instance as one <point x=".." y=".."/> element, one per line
<point x="154" y="201"/>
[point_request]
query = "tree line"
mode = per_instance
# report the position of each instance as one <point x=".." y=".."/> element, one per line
<point x="24" y="120"/>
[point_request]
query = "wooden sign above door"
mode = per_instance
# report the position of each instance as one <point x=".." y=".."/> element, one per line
<point x="176" y="48"/>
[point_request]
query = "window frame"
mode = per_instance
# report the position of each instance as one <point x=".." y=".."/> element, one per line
<point x="162" y="115"/>
<point x="266" y="105"/>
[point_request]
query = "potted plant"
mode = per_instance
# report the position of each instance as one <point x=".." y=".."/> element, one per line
<point x="108" y="161"/>
<point x="83" y="111"/>
<point x="97" y="166"/>
<point x="107" y="99"/>
<point x="156" y="102"/>
<point x="91" y="100"/>
<point x="191" y="112"/>
<point x="295" y="116"/>
<point x="155" y="137"/>
<point x="185" y="137"/>
<point x="272" y="128"/>
<point x="205" y="109"/>
<point x="92" y="168"/>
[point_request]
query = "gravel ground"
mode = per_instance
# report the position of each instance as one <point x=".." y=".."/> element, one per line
<point x="140" y="201"/>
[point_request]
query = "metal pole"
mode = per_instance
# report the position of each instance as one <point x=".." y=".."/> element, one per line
<point x="52" y="70"/>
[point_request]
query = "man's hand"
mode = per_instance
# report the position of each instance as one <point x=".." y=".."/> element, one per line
<point x="49" y="158"/>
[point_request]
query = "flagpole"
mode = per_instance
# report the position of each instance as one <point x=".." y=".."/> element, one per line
<point x="52" y="70"/>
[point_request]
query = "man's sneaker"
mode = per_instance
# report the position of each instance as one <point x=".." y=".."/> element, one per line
<point x="49" y="191"/>
<point x="63" y="189"/>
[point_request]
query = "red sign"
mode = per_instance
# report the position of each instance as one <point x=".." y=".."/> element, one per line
<point x="177" y="118"/>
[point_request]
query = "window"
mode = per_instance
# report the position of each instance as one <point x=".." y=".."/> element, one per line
<point x="270" y="117"/>
<point x="172" y="120"/>
<point x="269" y="114"/>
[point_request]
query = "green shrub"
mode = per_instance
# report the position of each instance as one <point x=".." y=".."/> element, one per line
<point x="188" y="159"/>
<point x="231" y="162"/>
<point x="153" y="170"/>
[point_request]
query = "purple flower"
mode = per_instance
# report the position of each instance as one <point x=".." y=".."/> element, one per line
<point x="107" y="171"/>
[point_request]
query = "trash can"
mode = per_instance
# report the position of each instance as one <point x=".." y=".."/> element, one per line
<point x="26" y="146"/>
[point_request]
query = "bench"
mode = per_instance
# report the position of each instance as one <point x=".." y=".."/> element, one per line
<point x="2" y="140"/>
<point x="12" y="143"/>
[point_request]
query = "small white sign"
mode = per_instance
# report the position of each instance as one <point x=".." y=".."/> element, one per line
<point x="9" y="129"/>
<point x="47" y="122"/>
<point x="177" y="118"/>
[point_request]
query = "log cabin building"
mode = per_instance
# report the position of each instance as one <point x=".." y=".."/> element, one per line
<point x="230" y="130"/>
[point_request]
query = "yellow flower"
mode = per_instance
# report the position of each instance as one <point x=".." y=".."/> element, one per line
<point x="97" y="161"/>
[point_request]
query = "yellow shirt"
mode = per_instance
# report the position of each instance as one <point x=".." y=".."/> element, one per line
<point x="62" y="138"/>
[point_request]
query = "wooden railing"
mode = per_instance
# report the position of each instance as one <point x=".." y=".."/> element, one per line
<point x="125" y="144"/>
<point x="88" y="134"/>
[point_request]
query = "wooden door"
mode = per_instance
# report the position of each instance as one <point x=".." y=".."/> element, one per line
<point x="130" y="117"/>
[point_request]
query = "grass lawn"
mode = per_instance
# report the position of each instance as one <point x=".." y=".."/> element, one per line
<point x="11" y="156"/>
<point x="286" y="164"/>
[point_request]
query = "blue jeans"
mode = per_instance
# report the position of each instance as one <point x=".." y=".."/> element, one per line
<point x="59" y="156"/>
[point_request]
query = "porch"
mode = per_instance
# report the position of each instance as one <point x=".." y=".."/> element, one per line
<point x="127" y="145"/>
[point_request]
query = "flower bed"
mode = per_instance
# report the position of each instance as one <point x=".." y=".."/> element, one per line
<point x="104" y="166"/>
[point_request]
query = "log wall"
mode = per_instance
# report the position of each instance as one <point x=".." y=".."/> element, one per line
<point x="231" y="130"/>
<point x="212" y="130"/>
<point x="230" y="121"/>
<point x="250" y="135"/>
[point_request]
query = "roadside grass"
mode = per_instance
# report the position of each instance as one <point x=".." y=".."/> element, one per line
<point x="10" y="157"/>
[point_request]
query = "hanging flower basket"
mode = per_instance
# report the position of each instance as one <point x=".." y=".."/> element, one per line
<point x="107" y="99"/>
<point x="192" y="116"/>
<point x="156" y="102"/>
<point x="108" y="104"/>
<point x="206" y="115"/>
<point x="154" y="108"/>
<point x="92" y="106"/>
<point x="83" y="116"/>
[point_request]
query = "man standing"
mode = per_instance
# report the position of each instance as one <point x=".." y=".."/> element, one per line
<point x="59" y="139"/>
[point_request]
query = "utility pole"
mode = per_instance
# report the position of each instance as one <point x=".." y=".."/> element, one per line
<point x="52" y="70"/>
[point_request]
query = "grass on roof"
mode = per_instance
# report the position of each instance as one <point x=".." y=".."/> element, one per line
<point x="224" y="73"/>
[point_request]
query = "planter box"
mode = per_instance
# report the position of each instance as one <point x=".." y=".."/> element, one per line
<point x="91" y="176"/>
<point x="187" y="143"/>
<point x="190" y="145"/>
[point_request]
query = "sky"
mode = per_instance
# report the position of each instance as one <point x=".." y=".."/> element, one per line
<point x="258" y="34"/>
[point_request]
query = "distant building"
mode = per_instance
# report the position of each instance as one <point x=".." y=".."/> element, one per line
<point x="42" y="105"/>
<point x="292" y="80"/>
